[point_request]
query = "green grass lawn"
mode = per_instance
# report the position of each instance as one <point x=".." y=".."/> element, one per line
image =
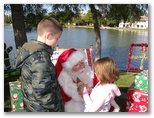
<point x="126" y="78"/>
<point x="125" y="81"/>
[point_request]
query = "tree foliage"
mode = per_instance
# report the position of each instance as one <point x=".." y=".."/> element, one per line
<point x="33" y="13"/>
<point x="7" y="19"/>
<point x="88" y="17"/>
<point x="62" y="16"/>
<point x="125" y="12"/>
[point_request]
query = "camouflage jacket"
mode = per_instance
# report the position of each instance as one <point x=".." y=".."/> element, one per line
<point x="40" y="87"/>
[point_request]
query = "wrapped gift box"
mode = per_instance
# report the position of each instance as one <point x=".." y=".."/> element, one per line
<point x="137" y="100"/>
<point x="141" y="81"/>
<point x="16" y="97"/>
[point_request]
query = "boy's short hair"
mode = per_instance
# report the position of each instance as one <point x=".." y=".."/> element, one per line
<point x="49" y="25"/>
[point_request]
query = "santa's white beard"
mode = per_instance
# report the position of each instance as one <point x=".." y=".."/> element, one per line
<point x="86" y="75"/>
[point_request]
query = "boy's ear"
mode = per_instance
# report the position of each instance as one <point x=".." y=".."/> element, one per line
<point x="48" y="35"/>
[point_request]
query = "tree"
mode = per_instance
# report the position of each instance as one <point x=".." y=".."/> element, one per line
<point x="88" y="17"/>
<point x="33" y="13"/>
<point x="62" y="16"/>
<point x="97" y="31"/>
<point x="18" y="24"/>
<point x="125" y="12"/>
<point x="7" y="19"/>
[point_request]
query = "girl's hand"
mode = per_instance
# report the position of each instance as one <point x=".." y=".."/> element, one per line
<point x="89" y="89"/>
<point x="85" y="88"/>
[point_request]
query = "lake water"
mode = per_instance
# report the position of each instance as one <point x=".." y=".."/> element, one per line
<point x="115" y="43"/>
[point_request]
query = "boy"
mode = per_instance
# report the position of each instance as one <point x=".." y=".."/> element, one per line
<point x="41" y="92"/>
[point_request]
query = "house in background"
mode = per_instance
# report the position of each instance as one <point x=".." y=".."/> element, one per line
<point x="142" y="24"/>
<point x="124" y="25"/>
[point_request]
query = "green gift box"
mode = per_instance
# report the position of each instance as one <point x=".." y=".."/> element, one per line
<point x="16" y="96"/>
<point x="141" y="81"/>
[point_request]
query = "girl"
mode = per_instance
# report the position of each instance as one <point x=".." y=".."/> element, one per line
<point x="103" y="94"/>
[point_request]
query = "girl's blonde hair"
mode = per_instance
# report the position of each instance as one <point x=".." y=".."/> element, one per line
<point x="106" y="70"/>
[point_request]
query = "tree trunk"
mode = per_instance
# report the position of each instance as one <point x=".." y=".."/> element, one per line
<point x="97" y="31"/>
<point x="18" y="24"/>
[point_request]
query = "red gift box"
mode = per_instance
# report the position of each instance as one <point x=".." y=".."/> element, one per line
<point x="137" y="100"/>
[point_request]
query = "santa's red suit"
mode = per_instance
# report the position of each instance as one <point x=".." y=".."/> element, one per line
<point x="67" y="80"/>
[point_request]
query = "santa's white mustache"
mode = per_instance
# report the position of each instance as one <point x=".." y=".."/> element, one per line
<point x="81" y="70"/>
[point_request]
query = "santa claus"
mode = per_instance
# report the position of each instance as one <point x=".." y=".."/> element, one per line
<point x="72" y="73"/>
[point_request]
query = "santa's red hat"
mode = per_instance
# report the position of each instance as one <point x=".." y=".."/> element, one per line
<point x="68" y="59"/>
